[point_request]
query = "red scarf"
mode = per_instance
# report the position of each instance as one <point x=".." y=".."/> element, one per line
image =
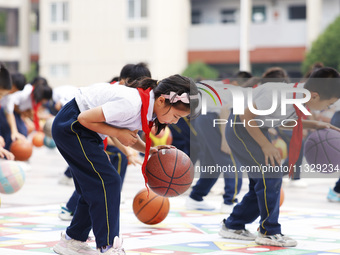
<point x="146" y="127"/>
<point x="296" y="140"/>
<point x="35" y="106"/>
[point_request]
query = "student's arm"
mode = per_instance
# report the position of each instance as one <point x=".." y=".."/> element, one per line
<point x="313" y="124"/>
<point x="94" y="120"/>
<point x="14" y="129"/>
<point x="132" y="158"/>
<point x="5" y="153"/>
<point x="269" y="150"/>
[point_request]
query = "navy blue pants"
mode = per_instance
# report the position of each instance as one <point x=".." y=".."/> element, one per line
<point x="286" y="136"/>
<point x="263" y="197"/>
<point x="119" y="162"/>
<point x="5" y="129"/>
<point x="336" y="122"/>
<point x="210" y="139"/>
<point x="96" y="180"/>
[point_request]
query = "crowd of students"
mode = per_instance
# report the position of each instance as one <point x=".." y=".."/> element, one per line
<point x="96" y="126"/>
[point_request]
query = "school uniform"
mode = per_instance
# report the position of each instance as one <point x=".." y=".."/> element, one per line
<point x="211" y="154"/>
<point x="24" y="102"/>
<point x="263" y="197"/>
<point x="336" y="122"/>
<point x="95" y="178"/>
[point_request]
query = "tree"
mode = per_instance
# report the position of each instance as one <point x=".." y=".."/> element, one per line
<point x="325" y="48"/>
<point x="199" y="71"/>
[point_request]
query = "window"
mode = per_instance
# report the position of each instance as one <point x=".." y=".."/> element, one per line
<point x="137" y="33"/>
<point x="228" y="16"/>
<point x="196" y="17"/>
<point x="137" y="9"/>
<point x="59" y="70"/>
<point x="59" y="12"/>
<point x="59" y="36"/>
<point x="259" y="14"/>
<point x="9" y="27"/>
<point x="297" y="12"/>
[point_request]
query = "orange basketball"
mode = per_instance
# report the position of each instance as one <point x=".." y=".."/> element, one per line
<point x="282" y="196"/>
<point x="22" y="149"/>
<point x="38" y="139"/>
<point x="170" y="172"/>
<point x="150" y="210"/>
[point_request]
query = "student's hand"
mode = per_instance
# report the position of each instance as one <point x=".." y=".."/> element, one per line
<point x="5" y="153"/>
<point x="159" y="147"/>
<point x="322" y="125"/>
<point x="2" y="141"/>
<point x="17" y="136"/>
<point x="134" y="159"/>
<point x="271" y="153"/>
<point x="127" y="137"/>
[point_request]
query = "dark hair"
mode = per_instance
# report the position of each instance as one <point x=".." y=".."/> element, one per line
<point x="41" y="89"/>
<point x="114" y="79"/>
<point x="241" y="77"/>
<point x="18" y="80"/>
<point x="134" y="71"/>
<point x="272" y="74"/>
<point x="324" y="81"/>
<point x="314" y="67"/>
<point x="5" y="78"/>
<point x="175" y="83"/>
<point x="39" y="81"/>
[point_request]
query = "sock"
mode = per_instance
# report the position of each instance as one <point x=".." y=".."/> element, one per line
<point x="67" y="237"/>
<point x="105" y="248"/>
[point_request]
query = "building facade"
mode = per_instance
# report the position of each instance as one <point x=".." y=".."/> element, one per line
<point x="82" y="42"/>
<point x="15" y="34"/>
<point x="278" y="34"/>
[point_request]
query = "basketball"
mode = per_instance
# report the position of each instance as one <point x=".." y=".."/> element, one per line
<point x="150" y="210"/>
<point x="282" y="196"/>
<point x="322" y="150"/>
<point x="38" y="139"/>
<point x="12" y="176"/>
<point x="170" y="172"/>
<point x="22" y="149"/>
<point x="163" y="138"/>
<point x="49" y="142"/>
<point x="282" y="147"/>
<point x="48" y="127"/>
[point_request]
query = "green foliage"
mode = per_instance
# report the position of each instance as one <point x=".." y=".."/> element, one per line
<point x="199" y="71"/>
<point x="3" y="19"/>
<point x="325" y="48"/>
<point x="32" y="73"/>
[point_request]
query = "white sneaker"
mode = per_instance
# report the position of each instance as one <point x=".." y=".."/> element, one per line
<point x="275" y="240"/>
<point x="116" y="249"/>
<point x="65" y="214"/>
<point x="192" y="204"/>
<point x="240" y="234"/>
<point x="73" y="247"/>
<point x="64" y="180"/>
<point x="298" y="184"/>
<point x="227" y="208"/>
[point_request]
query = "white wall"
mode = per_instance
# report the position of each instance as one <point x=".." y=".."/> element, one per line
<point x="21" y="53"/>
<point x="99" y="47"/>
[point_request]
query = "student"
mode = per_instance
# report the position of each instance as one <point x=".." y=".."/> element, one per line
<point x="5" y="88"/>
<point x="104" y="110"/>
<point x="334" y="193"/>
<point x="28" y="101"/>
<point x="12" y="126"/>
<point x="213" y="154"/>
<point x="251" y="147"/>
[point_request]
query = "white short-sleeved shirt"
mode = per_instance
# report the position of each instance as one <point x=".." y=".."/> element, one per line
<point x="64" y="94"/>
<point x="262" y="98"/>
<point x="121" y="105"/>
<point x="21" y="98"/>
